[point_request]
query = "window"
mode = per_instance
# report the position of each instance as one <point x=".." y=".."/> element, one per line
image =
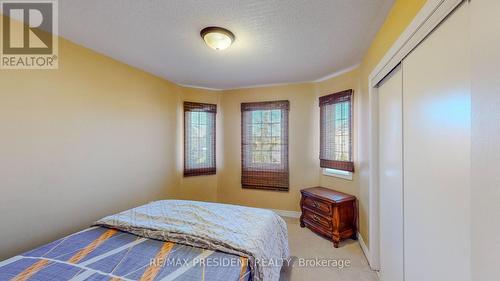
<point x="264" y="145"/>
<point x="199" y="139"/>
<point x="336" y="131"/>
<point x="337" y="173"/>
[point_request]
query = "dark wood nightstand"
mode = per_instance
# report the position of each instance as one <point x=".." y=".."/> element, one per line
<point x="329" y="213"/>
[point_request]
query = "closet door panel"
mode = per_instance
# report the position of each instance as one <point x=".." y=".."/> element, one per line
<point x="436" y="125"/>
<point x="390" y="94"/>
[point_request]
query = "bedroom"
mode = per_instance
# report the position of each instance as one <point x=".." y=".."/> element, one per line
<point x="99" y="125"/>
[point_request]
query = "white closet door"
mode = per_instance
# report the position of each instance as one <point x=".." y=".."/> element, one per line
<point x="436" y="124"/>
<point x="390" y="94"/>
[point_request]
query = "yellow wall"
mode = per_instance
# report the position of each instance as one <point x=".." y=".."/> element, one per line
<point x="303" y="142"/>
<point x="304" y="128"/>
<point x="399" y="17"/>
<point x="304" y="160"/>
<point x="97" y="136"/>
<point x="92" y="138"/>
<point x="201" y="188"/>
<point x="349" y="80"/>
<point x="303" y="151"/>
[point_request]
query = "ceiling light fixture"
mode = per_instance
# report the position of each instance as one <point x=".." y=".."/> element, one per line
<point x="217" y="38"/>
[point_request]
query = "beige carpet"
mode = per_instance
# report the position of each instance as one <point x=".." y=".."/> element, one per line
<point x="304" y="245"/>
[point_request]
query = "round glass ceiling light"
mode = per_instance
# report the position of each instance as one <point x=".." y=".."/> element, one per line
<point x="217" y="38"/>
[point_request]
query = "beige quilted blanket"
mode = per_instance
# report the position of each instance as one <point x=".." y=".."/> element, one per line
<point x="258" y="234"/>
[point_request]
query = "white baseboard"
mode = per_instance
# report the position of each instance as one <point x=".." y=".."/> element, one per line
<point x="364" y="248"/>
<point x="287" y="214"/>
<point x="294" y="214"/>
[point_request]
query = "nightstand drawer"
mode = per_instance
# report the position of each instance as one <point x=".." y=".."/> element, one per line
<point x="317" y="205"/>
<point x="318" y="220"/>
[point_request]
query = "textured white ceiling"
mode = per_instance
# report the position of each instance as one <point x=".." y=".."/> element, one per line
<point x="277" y="41"/>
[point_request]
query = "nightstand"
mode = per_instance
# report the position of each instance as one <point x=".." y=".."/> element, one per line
<point x="329" y="213"/>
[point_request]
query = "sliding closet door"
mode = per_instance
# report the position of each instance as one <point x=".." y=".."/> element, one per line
<point x="436" y="124"/>
<point x="390" y="94"/>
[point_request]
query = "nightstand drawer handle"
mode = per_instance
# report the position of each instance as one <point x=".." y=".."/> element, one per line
<point x="316" y="205"/>
<point x="315" y="218"/>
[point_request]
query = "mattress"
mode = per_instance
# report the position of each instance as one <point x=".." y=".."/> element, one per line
<point x="101" y="253"/>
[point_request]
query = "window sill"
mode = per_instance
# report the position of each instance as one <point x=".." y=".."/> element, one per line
<point x="199" y="172"/>
<point x="337" y="174"/>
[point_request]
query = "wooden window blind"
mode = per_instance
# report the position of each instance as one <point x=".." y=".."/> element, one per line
<point x="264" y="145"/>
<point x="199" y="139"/>
<point x="336" y="131"/>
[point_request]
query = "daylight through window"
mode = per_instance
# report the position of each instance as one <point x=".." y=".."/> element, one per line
<point x="336" y="131"/>
<point x="199" y="139"/>
<point x="265" y="145"/>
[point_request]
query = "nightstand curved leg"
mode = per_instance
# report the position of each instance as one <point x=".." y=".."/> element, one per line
<point x="336" y="241"/>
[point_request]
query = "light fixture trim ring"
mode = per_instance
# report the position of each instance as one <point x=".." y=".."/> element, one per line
<point x="217" y="29"/>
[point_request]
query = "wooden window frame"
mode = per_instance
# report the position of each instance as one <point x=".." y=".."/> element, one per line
<point x="200" y="107"/>
<point x="331" y="100"/>
<point x="267" y="177"/>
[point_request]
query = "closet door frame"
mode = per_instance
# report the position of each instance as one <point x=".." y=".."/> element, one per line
<point x="429" y="17"/>
<point x="391" y="221"/>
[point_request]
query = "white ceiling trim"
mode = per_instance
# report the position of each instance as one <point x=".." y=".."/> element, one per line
<point x="199" y="87"/>
<point x="324" y="78"/>
<point x="337" y="73"/>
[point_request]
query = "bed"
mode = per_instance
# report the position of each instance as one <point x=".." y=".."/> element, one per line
<point x="164" y="240"/>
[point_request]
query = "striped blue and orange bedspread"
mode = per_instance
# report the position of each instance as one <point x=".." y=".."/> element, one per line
<point x="100" y="253"/>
